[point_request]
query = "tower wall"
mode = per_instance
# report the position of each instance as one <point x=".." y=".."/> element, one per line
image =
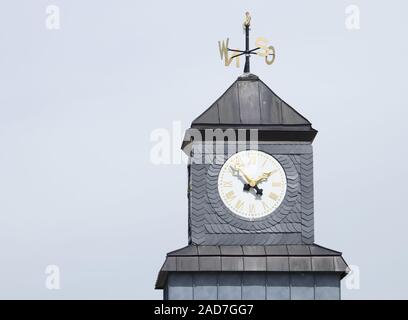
<point x="211" y="223"/>
<point x="252" y="286"/>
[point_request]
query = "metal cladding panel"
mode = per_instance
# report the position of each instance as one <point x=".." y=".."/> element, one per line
<point x="317" y="250"/>
<point x="302" y="286"/>
<point x="340" y="265"/>
<point x="300" y="264"/>
<point x="278" y="250"/>
<point x="210" y="116"/>
<point x="232" y="263"/>
<point x="253" y="250"/>
<point x="291" y="116"/>
<point x="227" y="104"/>
<point x="250" y="260"/>
<point x="205" y="286"/>
<point x="323" y="263"/>
<point x="229" y="286"/>
<point x="298" y="250"/>
<point x="271" y="106"/>
<point x="255" y="263"/>
<point x="248" y="95"/>
<point x="209" y="263"/>
<point x="208" y="250"/>
<point x="277" y="263"/>
<point x="170" y="264"/>
<point x="231" y="250"/>
<point x="187" y="263"/>
<point x="250" y="101"/>
<point x="186" y="251"/>
<point x="180" y="286"/>
<point x="278" y="286"/>
<point x="327" y="286"/>
<point x="254" y="286"/>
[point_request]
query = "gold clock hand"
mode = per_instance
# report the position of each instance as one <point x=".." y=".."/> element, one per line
<point x="250" y="181"/>
<point x="263" y="176"/>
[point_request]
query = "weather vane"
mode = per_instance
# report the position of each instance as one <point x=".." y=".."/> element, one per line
<point x="261" y="44"/>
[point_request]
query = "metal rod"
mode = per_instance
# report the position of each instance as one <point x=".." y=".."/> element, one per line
<point x="234" y="50"/>
<point x="252" y="50"/>
<point x="237" y="55"/>
<point x="247" y="54"/>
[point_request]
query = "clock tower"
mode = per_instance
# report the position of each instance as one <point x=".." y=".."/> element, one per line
<point x="250" y="204"/>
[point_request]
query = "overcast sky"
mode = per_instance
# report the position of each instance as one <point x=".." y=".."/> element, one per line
<point x="78" y="105"/>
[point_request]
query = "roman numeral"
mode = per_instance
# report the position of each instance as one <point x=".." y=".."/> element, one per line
<point x="227" y="184"/>
<point x="265" y="205"/>
<point x="239" y="204"/>
<point x="252" y="159"/>
<point x="273" y="196"/>
<point x="230" y="195"/>
<point x="237" y="161"/>
<point x="251" y="208"/>
<point x="276" y="184"/>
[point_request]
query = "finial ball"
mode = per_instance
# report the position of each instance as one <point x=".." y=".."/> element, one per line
<point x="247" y="21"/>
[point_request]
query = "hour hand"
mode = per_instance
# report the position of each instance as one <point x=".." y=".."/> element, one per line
<point x="259" y="191"/>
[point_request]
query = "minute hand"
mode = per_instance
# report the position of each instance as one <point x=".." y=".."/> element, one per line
<point x="248" y="179"/>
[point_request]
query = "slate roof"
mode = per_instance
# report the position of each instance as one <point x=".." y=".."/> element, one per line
<point x="273" y="258"/>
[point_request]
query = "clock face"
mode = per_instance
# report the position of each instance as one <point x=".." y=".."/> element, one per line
<point x="252" y="184"/>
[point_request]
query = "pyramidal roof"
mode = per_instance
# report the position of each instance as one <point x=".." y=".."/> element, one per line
<point x="249" y="102"/>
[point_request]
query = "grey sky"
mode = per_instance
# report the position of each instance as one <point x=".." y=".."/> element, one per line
<point x="77" y="106"/>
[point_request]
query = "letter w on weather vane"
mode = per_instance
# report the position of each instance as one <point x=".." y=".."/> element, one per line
<point x="262" y="49"/>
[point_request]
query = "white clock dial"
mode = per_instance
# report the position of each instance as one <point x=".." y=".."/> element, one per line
<point x="252" y="184"/>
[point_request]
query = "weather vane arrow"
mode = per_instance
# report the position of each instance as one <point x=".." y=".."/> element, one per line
<point x="262" y="48"/>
